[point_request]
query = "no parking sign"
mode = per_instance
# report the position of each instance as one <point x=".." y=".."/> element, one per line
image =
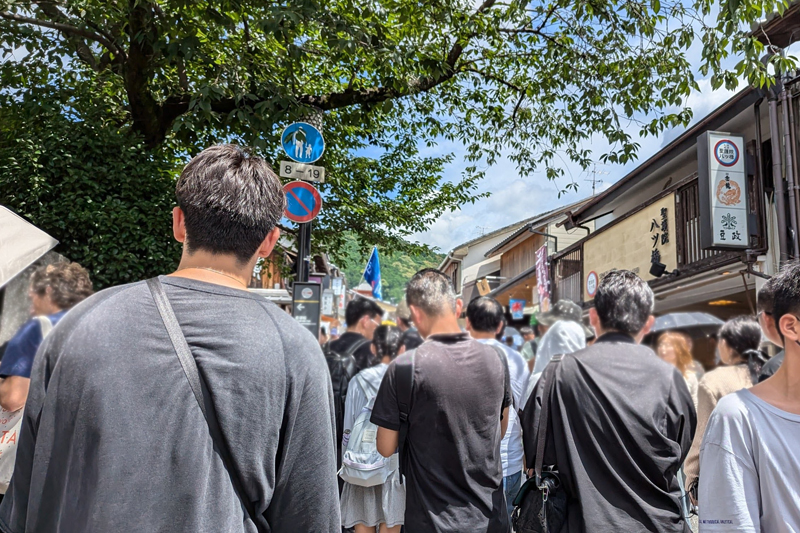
<point x="303" y="202"/>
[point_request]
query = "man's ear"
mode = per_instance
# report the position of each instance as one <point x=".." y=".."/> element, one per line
<point x="459" y="306"/>
<point x="268" y="244"/>
<point x="499" y="328"/>
<point x="594" y="319"/>
<point x="648" y="325"/>
<point x="178" y="224"/>
<point x="468" y="325"/>
<point x="789" y="327"/>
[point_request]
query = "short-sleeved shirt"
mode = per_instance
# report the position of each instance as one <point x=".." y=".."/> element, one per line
<point x="21" y="349"/>
<point x="113" y="439"/>
<point x="511" y="451"/>
<point x="750" y="467"/>
<point x="454" y="476"/>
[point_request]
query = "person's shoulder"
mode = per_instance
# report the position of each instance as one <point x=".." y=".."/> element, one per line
<point x="26" y="331"/>
<point x="293" y="335"/>
<point x="733" y="408"/>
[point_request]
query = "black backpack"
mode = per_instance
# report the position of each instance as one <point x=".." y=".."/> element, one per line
<point x="343" y="368"/>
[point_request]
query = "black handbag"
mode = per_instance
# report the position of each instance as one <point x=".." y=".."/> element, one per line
<point x="541" y="503"/>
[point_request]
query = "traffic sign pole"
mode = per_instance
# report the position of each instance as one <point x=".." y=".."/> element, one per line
<point x="303" y="252"/>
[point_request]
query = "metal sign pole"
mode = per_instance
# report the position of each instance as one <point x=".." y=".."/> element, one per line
<point x="303" y="252"/>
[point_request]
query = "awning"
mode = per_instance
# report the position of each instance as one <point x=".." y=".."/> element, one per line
<point x="515" y="287"/>
<point x="278" y="296"/>
<point x="21" y="243"/>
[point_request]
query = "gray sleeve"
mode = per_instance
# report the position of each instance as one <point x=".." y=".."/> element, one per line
<point x="729" y="489"/>
<point x="306" y="495"/>
<point x="14" y="509"/>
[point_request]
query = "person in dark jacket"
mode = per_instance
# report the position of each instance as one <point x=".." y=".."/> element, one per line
<point x="621" y="421"/>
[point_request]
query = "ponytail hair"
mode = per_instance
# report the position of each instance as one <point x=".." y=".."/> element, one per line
<point x="387" y="341"/>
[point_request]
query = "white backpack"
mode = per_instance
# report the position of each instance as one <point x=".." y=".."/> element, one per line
<point x="361" y="463"/>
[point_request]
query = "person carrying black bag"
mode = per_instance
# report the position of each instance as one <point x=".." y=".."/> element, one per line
<point x="620" y="422"/>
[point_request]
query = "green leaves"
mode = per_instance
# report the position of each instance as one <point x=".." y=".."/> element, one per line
<point x="536" y="82"/>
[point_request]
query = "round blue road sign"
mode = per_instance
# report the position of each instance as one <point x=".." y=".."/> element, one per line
<point x="303" y="202"/>
<point x="302" y="142"/>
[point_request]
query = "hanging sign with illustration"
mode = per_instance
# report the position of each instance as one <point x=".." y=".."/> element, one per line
<point x="722" y="179"/>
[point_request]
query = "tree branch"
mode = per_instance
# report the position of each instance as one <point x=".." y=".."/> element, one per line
<point x="497" y="79"/>
<point x="66" y="28"/>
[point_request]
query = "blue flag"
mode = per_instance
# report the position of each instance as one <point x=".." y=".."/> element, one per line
<point x="372" y="274"/>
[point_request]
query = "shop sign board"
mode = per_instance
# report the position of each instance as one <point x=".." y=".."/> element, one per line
<point x="327" y="302"/>
<point x="517" y="309"/>
<point x="306" y="305"/>
<point x="543" y="278"/>
<point x="634" y="243"/>
<point x="722" y="182"/>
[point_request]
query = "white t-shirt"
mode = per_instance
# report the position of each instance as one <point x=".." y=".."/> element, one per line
<point x="750" y="467"/>
<point x="511" y="451"/>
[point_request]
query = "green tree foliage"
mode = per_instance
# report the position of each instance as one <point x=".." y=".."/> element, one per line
<point x="391" y="78"/>
<point x="105" y="197"/>
<point x="396" y="268"/>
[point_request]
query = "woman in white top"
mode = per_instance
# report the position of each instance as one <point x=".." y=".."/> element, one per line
<point x="367" y="508"/>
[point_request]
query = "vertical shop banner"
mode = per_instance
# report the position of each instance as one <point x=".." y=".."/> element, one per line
<point x="517" y="309"/>
<point x="372" y="274"/>
<point x="543" y="278"/>
<point x="722" y="180"/>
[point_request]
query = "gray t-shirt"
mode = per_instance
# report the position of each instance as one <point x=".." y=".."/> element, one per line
<point x="453" y="471"/>
<point x="113" y="439"/>
<point x="750" y="467"/>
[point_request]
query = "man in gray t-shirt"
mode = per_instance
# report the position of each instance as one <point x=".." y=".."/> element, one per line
<point x="750" y="458"/>
<point x="113" y="439"/>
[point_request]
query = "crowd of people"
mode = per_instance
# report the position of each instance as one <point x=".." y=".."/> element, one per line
<point x="187" y="403"/>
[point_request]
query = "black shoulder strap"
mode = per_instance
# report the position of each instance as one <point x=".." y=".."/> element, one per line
<point x="547" y="388"/>
<point x="404" y="379"/>
<point x="355" y="347"/>
<point x="193" y="376"/>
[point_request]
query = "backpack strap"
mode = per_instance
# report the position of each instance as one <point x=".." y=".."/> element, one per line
<point x="547" y="388"/>
<point x="189" y="366"/>
<point x="404" y="375"/>
<point x="356" y="346"/>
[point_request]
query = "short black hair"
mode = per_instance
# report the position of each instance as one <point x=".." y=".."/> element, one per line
<point x="742" y="334"/>
<point x="485" y="314"/>
<point x="766" y="296"/>
<point x="230" y="199"/>
<point x="787" y="293"/>
<point x="431" y="291"/>
<point x="525" y="331"/>
<point x="387" y="341"/>
<point x="624" y="302"/>
<point x="359" y="308"/>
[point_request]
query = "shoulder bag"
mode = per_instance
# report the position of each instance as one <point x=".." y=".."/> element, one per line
<point x="541" y="503"/>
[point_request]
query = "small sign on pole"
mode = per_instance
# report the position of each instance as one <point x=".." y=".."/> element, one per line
<point x="306" y="305"/>
<point x="300" y="171"/>
<point x="303" y="202"/>
<point x="722" y="181"/>
<point x="302" y="142"/>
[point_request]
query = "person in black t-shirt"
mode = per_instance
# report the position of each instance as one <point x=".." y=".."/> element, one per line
<point x="457" y="418"/>
<point x="362" y="316"/>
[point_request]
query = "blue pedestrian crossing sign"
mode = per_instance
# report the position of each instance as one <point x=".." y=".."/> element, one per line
<point x="302" y="142"/>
